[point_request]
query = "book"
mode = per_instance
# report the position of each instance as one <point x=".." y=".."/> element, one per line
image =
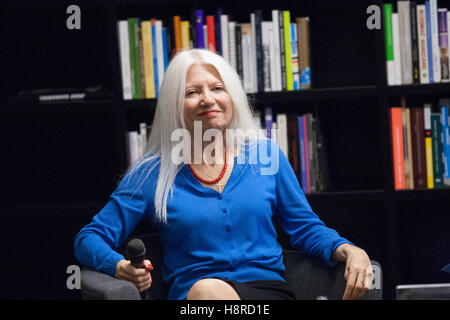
<point x="429" y="43"/>
<point x="435" y="41"/>
<point x="423" y="45"/>
<point x="246" y="30"/>
<point x="304" y="52"/>
<point x="409" y="174"/>
<point x="232" y="43"/>
<point x="436" y="132"/>
<point x="443" y="44"/>
<point x="293" y="145"/>
<point x="259" y="51"/>
<point x="395" y="117"/>
<point x="124" y="52"/>
<point x="146" y="29"/>
<point x="276" y="59"/>
<point x="288" y="50"/>
<point x="389" y="43"/>
<point x="418" y="148"/>
<point x="282" y="133"/>
<point x="177" y="33"/>
<point x="282" y="50"/>
<point x="135" y="63"/>
<point x="428" y="145"/>
<point x="311" y="148"/>
<point x="302" y="154"/>
<point x="397" y="55"/>
<point x="199" y="28"/>
<point x="294" y="57"/>
<point x="211" y="33"/>
<point x="405" y="40"/>
<point x="224" y="37"/>
<point x="414" y="43"/>
<point x="266" y="55"/>
<point x="268" y="119"/>
<point x="185" y="39"/>
<point x="155" y="58"/>
<point x="444" y="107"/>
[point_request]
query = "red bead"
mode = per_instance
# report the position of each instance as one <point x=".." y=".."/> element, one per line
<point x="214" y="180"/>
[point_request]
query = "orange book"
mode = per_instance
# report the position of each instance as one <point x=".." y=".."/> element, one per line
<point x="397" y="148"/>
<point x="177" y="33"/>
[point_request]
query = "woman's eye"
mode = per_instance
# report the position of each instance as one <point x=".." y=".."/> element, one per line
<point x="189" y="93"/>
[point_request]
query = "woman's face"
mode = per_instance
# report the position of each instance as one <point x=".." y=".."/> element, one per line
<point x="206" y="99"/>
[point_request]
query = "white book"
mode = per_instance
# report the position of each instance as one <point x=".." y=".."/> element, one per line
<point x="224" y="34"/>
<point x="132" y="147"/>
<point x="205" y="36"/>
<point x="422" y="42"/>
<point x="404" y="22"/>
<point x="246" y="57"/>
<point x="254" y="65"/>
<point x="232" y="43"/>
<point x="282" y="133"/>
<point x="435" y="41"/>
<point x="143" y="135"/>
<point x="159" y="52"/>
<point x="397" y="55"/>
<point x="274" y="132"/>
<point x="272" y="71"/>
<point x="266" y="54"/>
<point x="276" y="85"/>
<point x="124" y="51"/>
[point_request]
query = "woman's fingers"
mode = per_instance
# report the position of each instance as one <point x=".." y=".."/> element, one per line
<point x="140" y="277"/>
<point x="350" y="286"/>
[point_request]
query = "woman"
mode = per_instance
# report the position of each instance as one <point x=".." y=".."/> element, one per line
<point x="216" y="227"/>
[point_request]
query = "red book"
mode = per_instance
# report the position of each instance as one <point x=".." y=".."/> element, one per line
<point x="397" y="148"/>
<point x="211" y="36"/>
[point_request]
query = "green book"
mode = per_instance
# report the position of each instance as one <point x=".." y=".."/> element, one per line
<point x="389" y="43"/>
<point x="438" y="165"/>
<point x="135" y="60"/>
<point x="287" y="50"/>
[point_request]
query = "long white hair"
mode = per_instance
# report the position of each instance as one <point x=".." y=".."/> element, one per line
<point x="169" y="116"/>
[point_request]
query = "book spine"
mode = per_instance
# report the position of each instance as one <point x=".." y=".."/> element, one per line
<point x="133" y="34"/>
<point x="205" y="35"/>
<point x="418" y="148"/>
<point x="141" y="61"/>
<point x="124" y="51"/>
<point x="302" y="153"/>
<point x="405" y="150"/>
<point x="224" y="34"/>
<point x="165" y="42"/>
<point x="435" y="41"/>
<point x="211" y="33"/>
<point x="422" y="40"/>
<point x="282" y="127"/>
<point x="444" y="103"/>
<point x="288" y="50"/>
<point x="282" y="51"/>
<point x="177" y="33"/>
<point x="304" y="53"/>
<point x="389" y="43"/>
<point x="307" y="154"/>
<point x="276" y="59"/>
<point x="294" y="54"/>
<point x="397" y="55"/>
<point x="254" y="64"/>
<point x="414" y="43"/>
<point x="428" y="145"/>
<point x="397" y="148"/>
<point x="266" y="55"/>
<point x="246" y="57"/>
<point x="259" y="51"/>
<point x="199" y="28"/>
<point x="405" y="40"/>
<point x="436" y="132"/>
<point x="312" y="157"/>
<point x="148" y="59"/>
<point x="443" y="44"/>
<point x="272" y="56"/>
<point x="155" y="57"/>
<point x="448" y="39"/>
<point x="429" y="43"/>
<point x="232" y="43"/>
<point x="185" y="40"/>
<point x="160" y="51"/>
<point x="218" y="31"/>
<point x="239" y="51"/>
<point x="409" y="144"/>
<point x="293" y="145"/>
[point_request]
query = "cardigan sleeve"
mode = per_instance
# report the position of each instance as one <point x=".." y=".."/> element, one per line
<point x="96" y="244"/>
<point x="307" y="232"/>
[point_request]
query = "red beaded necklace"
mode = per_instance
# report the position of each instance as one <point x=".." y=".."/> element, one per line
<point x="222" y="173"/>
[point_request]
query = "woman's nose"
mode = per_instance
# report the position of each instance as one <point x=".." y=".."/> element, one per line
<point x="207" y="97"/>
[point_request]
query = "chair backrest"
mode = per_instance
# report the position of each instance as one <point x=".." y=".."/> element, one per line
<point x="309" y="278"/>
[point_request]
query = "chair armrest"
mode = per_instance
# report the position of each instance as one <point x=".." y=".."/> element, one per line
<point x="100" y="286"/>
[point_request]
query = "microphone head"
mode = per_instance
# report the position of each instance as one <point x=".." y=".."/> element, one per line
<point x="136" y="251"/>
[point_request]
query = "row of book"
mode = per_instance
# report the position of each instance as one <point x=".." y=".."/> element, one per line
<point x="301" y="140"/>
<point x="417" y="42"/>
<point x="268" y="55"/>
<point x="420" y="146"/>
<point x="136" y="142"/>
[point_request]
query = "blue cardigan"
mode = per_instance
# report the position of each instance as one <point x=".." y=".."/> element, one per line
<point x="210" y="234"/>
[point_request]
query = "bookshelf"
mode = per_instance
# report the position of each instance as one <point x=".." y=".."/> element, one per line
<point x="65" y="158"/>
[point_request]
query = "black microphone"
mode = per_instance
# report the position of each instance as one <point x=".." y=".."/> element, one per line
<point x="136" y="252"/>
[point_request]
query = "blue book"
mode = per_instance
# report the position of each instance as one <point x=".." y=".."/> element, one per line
<point x="302" y="154"/>
<point x="165" y="50"/>
<point x="218" y="31"/>
<point x="199" y="28"/>
<point x="445" y="136"/>
<point x="155" y="60"/>
<point x="268" y="121"/>
<point x="430" y="46"/>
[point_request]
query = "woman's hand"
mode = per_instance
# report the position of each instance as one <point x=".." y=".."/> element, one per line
<point x="140" y="277"/>
<point x="358" y="271"/>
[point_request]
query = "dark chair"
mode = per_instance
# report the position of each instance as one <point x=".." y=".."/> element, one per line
<point x="309" y="278"/>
